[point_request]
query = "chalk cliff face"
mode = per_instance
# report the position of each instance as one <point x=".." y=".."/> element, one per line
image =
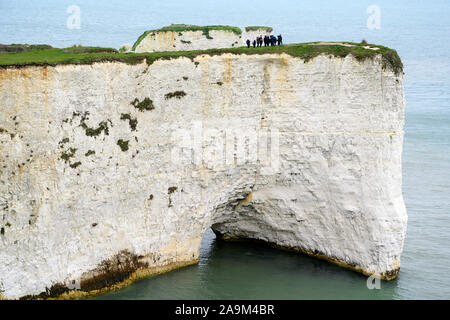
<point x="254" y="33"/>
<point x="110" y="170"/>
<point x="195" y="40"/>
<point x="188" y="40"/>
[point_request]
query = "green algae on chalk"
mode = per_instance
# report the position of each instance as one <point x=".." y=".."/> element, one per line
<point x="144" y="105"/>
<point x="70" y="153"/>
<point x="176" y="94"/>
<point x="123" y="145"/>
<point x="131" y="121"/>
<point x="110" y="275"/>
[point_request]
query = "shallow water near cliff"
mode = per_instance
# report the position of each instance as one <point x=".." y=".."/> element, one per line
<point x="416" y="29"/>
<point x="242" y="270"/>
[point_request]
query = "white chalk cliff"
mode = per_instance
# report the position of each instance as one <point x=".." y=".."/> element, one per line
<point x="167" y="40"/>
<point x="131" y="164"/>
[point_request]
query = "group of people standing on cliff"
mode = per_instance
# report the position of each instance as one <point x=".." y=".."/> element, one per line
<point x="267" y="41"/>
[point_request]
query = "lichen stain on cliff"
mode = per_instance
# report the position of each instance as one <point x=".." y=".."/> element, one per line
<point x="227" y="74"/>
<point x="282" y="81"/>
<point x="388" y="275"/>
<point x="5" y="73"/>
<point x="205" y="89"/>
<point x="112" y="271"/>
<point x="12" y="74"/>
<point x="227" y="78"/>
<point x="111" y="274"/>
<point x="165" y="39"/>
<point x="246" y="201"/>
<point x="265" y="98"/>
<point x="26" y="79"/>
<point x="44" y="73"/>
<point x="45" y="89"/>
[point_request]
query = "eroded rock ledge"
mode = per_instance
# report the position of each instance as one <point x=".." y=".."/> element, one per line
<point x="98" y="184"/>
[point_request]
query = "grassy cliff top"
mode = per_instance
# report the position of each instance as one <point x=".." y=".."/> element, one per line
<point x="191" y="27"/>
<point x="256" y="28"/>
<point x="187" y="27"/>
<point x="90" y="55"/>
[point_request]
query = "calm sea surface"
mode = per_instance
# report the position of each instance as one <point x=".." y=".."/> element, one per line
<point x="418" y="30"/>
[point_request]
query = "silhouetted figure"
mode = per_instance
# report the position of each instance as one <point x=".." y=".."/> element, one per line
<point x="280" y="40"/>
<point x="254" y="43"/>
<point x="273" y="40"/>
<point x="248" y="43"/>
<point x="266" y="41"/>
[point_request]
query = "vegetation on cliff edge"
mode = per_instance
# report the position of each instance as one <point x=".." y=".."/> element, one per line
<point x="90" y="55"/>
<point x="256" y="28"/>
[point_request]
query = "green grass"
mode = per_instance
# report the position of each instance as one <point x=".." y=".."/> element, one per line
<point x="187" y="27"/>
<point x="190" y="27"/>
<point x="255" y="28"/>
<point x="81" y="49"/>
<point x="306" y="51"/>
<point x="139" y="40"/>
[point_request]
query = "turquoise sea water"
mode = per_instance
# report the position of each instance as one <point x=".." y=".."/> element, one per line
<point x="418" y="30"/>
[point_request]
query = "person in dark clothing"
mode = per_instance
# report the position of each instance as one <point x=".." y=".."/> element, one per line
<point x="273" y="40"/>
<point x="254" y="43"/>
<point x="280" y="40"/>
<point x="248" y="43"/>
<point x="267" y="42"/>
<point x="260" y="41"/>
